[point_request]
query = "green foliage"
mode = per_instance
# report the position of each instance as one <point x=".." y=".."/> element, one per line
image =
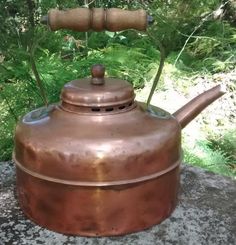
<point x="216" y="160"/>
<point x="214" y="49"/>
<point x="175" y="20"/>
<point x="226" y="143"/>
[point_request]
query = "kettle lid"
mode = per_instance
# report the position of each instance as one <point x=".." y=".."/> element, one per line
<point x="97" y="94"/>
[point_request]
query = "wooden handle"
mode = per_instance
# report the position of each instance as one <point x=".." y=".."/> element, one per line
<point x="97" y="19"/>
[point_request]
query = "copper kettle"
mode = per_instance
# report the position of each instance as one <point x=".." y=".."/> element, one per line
<point x="100" y="163"/>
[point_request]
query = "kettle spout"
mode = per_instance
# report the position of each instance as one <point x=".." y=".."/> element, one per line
<point x="189" y="111"/>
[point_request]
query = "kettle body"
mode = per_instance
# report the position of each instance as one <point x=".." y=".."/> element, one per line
<point x="100" y="163"/>
<point x="98" y="175"/>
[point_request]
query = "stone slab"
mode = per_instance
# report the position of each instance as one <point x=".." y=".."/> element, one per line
<point x="206" y="214"/>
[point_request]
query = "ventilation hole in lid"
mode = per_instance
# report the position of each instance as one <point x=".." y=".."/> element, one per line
<point x="95" y="109"/>
<point x="109" y="109"/>
<point x="122" y="107"/>
<point x="130" y="103"/>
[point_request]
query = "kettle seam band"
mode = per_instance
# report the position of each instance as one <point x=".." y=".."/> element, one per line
<point x="97" y="184"/>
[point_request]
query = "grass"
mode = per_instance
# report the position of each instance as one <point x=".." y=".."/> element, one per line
<point x="205" y="156"/>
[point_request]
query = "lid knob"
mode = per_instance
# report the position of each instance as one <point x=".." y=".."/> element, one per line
<point x="98" y="72"/>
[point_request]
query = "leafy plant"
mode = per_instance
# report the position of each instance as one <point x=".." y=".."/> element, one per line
<point x="204" y="156"/>
<point x="226" y="143"/>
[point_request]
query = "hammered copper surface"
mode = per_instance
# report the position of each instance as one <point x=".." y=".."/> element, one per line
<point x="97" y="148"/>
<point x="100" y="163"/>
<point x="98" y="211"/>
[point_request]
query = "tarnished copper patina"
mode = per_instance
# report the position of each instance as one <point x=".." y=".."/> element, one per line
<point x="100" y="163"/>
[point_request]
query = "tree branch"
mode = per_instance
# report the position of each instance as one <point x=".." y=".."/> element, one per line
<point x="10" y="109"/>
<point x="195" y="29"/>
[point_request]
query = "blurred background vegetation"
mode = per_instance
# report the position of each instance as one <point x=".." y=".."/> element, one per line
<point x="197" y="39"/>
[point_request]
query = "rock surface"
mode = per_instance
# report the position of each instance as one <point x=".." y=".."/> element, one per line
<point x="206" y="214"/>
